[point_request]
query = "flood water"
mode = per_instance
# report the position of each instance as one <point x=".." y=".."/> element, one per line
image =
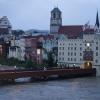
<point x="69" y="89"/>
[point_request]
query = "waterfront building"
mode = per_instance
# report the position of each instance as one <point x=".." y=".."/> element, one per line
<point x="5" y="28"/>
<point x="17" y="49"/>
<point x="78" y="45"/>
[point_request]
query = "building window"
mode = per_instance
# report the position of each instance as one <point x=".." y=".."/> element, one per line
<point x="71" y="48"/>
<point x="59" y="58"/>
<point x="75" y="48"/>
<point x="63" y="59"/>
<point x="75" y="54"/>
<point x="96" y="53"/>
<point x="59" y="48"/>
<point x="68" y="59"/>
<point x="96" y="48"/>
<point x="59" y="53"/>
<point x="68" y="48"/>
<point x="63" y="48"/>
<point x="90" y="44"/>
<point x="96" y="42"/>
<point x="54" y="15"/>
<point x="74" y="59"/>
<point x="71" y="59"/>
<point x="62" y="53"/>
<point x="71" y="53"/>
<point x="80" y="48"/>
<point x="80" y="54"/>
<point x="96" y="61"/>
<point x="68" y="53"/>
<point x="80" y="59"/>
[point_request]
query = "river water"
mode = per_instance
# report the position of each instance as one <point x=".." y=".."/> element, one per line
<point x="69" y="89"/>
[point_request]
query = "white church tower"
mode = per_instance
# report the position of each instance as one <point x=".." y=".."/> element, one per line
<point x="55" y="21"/>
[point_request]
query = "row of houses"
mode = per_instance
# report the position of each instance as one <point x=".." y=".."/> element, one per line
<point x="31" y="47"/>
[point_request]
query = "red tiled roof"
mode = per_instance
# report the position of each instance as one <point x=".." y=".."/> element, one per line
<point x="71" y="31"/>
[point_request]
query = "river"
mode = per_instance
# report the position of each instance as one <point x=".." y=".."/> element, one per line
<point x="68" y="89"/>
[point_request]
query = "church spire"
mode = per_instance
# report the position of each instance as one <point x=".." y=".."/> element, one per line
<point x="97" y="20"/>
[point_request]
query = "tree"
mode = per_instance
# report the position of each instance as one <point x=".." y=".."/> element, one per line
<point x="30" y="65"/>
<point x="50" y="61"/>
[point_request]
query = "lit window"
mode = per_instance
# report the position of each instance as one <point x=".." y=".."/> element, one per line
<point x="88" y="44"/>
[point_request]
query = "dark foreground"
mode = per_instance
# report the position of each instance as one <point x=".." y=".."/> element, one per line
<point x="87" y="88"/>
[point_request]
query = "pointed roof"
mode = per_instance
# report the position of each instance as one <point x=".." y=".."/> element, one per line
<point x="56" y="9"/>
<point x="97" y="20"/>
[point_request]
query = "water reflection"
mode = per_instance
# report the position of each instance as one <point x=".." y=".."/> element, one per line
<point x="69" y="89"/>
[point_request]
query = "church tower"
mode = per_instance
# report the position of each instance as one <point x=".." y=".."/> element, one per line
<point x="97" y="24"/>
<point x="97" y="20"/>
<point x="55" y="21"/>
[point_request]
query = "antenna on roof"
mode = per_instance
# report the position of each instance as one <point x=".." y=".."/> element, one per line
<point x="56" y="3"/>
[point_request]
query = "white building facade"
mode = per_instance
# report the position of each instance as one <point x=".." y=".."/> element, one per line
<point x="76" y="51"/>
<point x="17" y="49"/>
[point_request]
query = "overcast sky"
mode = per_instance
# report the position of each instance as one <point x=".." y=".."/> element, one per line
<point x="35" y="14"/>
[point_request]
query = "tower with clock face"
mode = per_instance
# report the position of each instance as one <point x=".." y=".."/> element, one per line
<point x="55" y="21"/>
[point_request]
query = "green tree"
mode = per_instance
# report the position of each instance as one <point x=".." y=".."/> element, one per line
<point x="30" y="65"/>
<point x="50" y="59"/>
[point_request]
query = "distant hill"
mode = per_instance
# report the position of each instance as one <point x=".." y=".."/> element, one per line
<point x="36" y="32"/>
